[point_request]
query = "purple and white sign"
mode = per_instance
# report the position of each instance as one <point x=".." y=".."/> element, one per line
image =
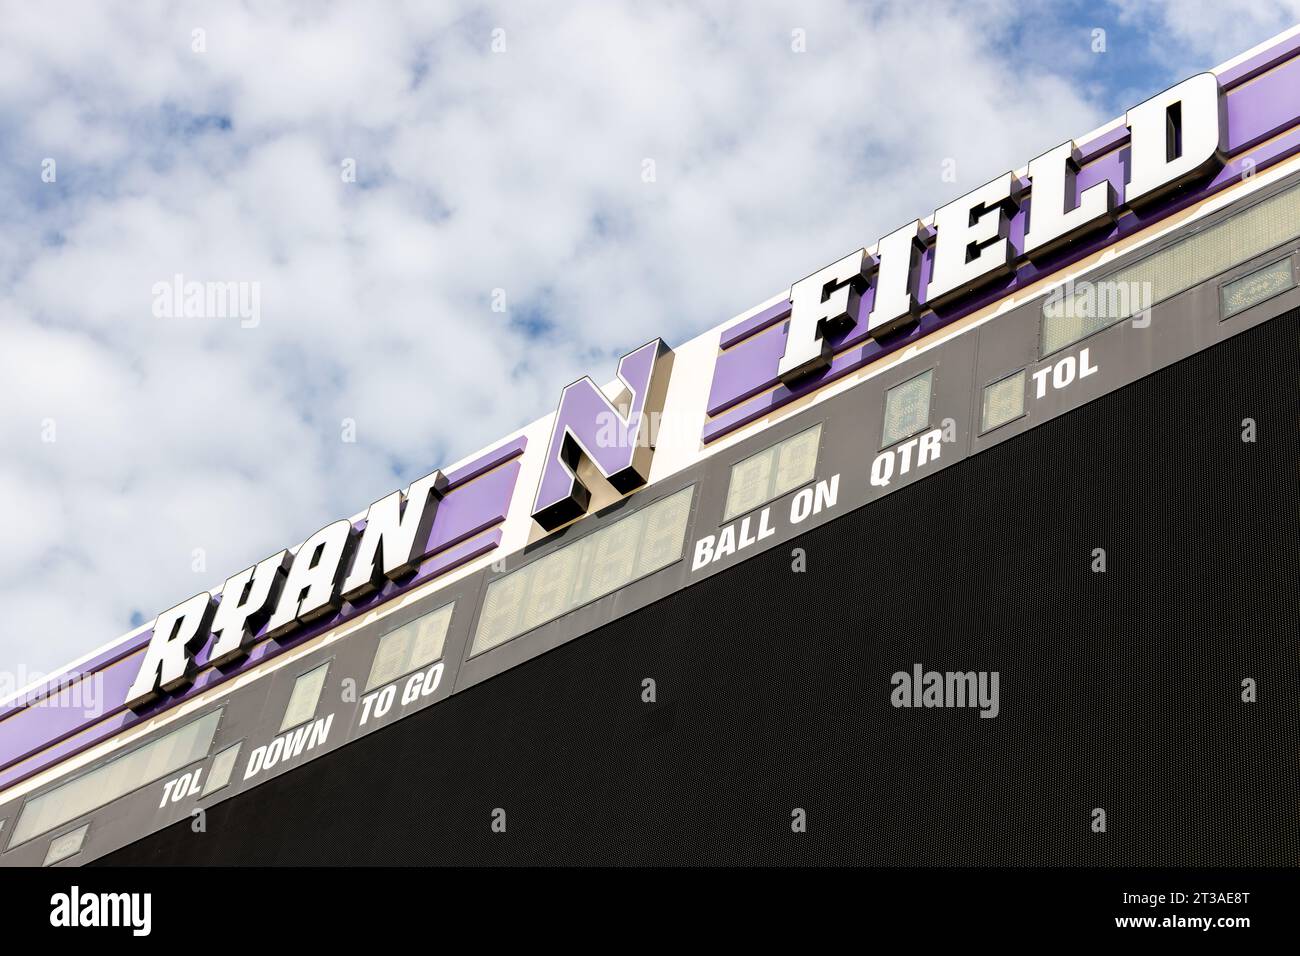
<point x="1074" y="200"/>
<point x="1204" y="135"/>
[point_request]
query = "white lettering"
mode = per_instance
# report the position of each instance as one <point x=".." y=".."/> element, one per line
<point x="1176" y="136"/>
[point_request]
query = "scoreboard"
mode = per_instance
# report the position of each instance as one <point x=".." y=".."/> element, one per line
<point x="825" y="584"/>
<point x="742" y="711"/>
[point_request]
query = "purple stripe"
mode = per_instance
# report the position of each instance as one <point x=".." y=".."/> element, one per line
<point x="487" y="462"/>
<point x="1265" y="108"/>
<point x="1247" y="69"/>
<point x="457" y="555"/>
<point x="755" y="323"/>
<point x="55" y="718"/>
<point x="56" y="682"/>
<point x="460" y="516"/>
<point x="1104" y="143"/>
<point x="66" y="748"/>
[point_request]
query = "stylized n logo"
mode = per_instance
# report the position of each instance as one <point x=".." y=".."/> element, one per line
<point x="618" y="441"/>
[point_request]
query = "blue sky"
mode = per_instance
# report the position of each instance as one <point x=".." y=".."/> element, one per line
<point x="500" y="158"/>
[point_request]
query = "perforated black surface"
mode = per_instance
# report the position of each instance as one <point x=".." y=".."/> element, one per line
<point x="1119" y="690"/>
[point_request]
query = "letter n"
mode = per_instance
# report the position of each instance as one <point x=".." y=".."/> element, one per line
<point x="579" y="424"/>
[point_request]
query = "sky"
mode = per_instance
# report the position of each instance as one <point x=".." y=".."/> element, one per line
<point x="437" y="216"/>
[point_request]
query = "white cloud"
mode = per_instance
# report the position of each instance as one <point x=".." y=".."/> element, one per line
<point x="1212" y="32"/>
<point x="520" y="170"/>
